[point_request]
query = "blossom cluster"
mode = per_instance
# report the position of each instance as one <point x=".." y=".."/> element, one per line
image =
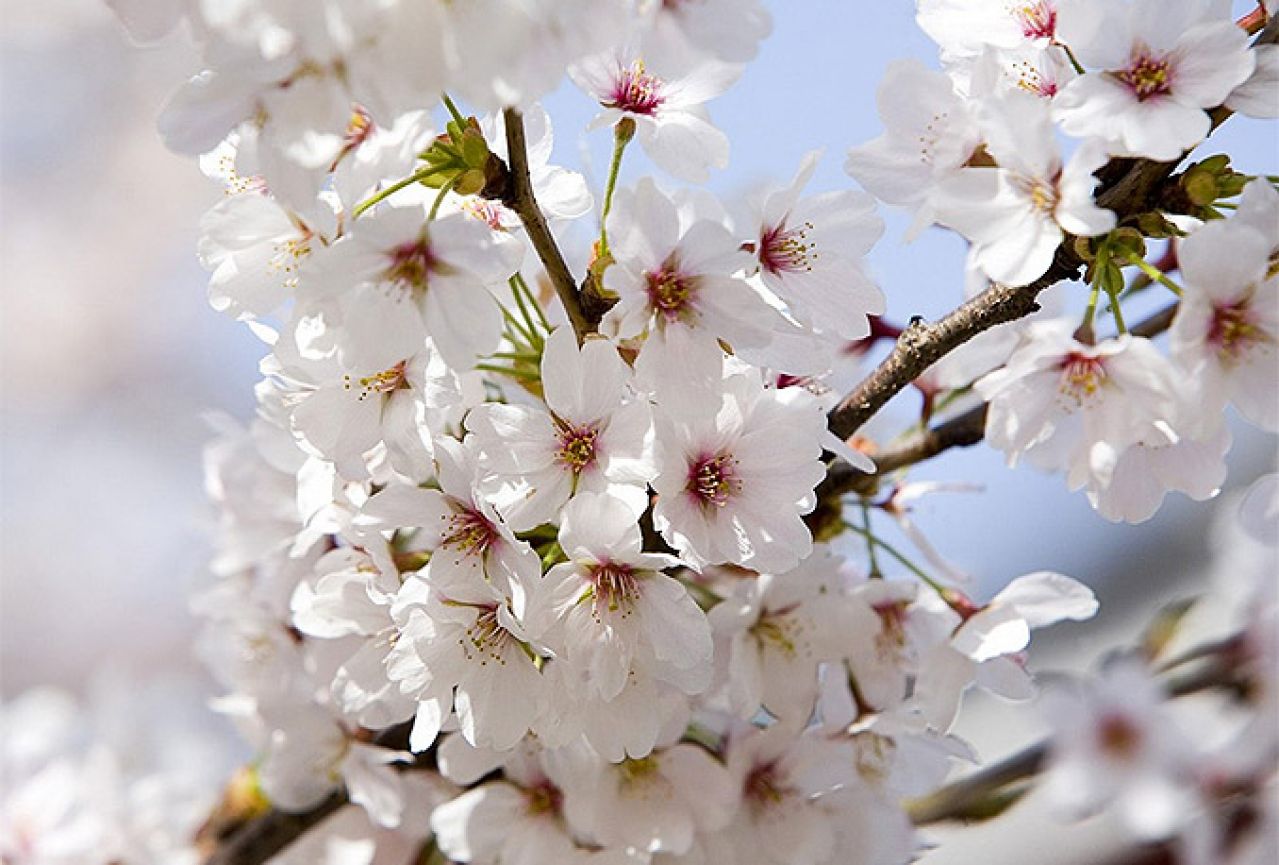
<point x="551" y="593"/>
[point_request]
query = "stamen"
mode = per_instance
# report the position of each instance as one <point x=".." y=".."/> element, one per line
<point x="1147" y="76"/>
<point x="635" y="91"/>
<point x="712" y="480"/>
<point x="1082" y="377"/>
<point x="790" y="250"/>
<point x="671" y="293"/>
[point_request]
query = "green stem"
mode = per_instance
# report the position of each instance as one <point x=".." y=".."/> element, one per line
<point x="439" y="198"/>
<point x="1091" y="312"/>
<point x="1074" y="61"/>
<point x="415" y="177"/>
<point x="525" y="335"/>
<point x="457" y="115"/>
<point x="537" y="307"/>
<point x="622" y="134"/>
<point x="1117" y="312"/>
<point x="900" y="557"/>
<point x="1154" y="273"/>
<point x="524" y="311"/>
<point x="875" y="572"/>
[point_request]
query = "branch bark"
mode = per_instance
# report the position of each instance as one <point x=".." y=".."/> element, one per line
<point x="963" y="430"/>
<point x="520" y="198"/>
<point x="1129" y="187"/>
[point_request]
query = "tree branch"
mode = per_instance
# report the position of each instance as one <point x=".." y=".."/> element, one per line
<point x="520" y="198"/>
<point x="1128" y="187"/>
<point x="257" y="840"/>
<point x="971" y="797"/>
<point x="963" y="430"/>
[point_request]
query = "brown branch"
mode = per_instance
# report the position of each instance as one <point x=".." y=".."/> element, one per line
<point x="1128" y="187"/>
<point x="262" y="837"/>
<point x="963" y="430"/>
<point x="520" y="198"/>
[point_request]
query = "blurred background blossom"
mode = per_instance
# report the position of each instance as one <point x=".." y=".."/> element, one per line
<point x="112" y="358"/>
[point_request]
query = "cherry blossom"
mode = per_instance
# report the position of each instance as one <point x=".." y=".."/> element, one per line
<point x="1161" y="65"/>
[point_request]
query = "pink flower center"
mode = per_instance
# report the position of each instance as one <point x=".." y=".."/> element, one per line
<point x="671" y="293"/>
<point x="615" y="587"/>
<point x="576" y="446"/>
<point x="410" y="264"/>
<point x="470" y="532"/>
<point x="1147" y="76"/>
<point x="489" y="212"/>
<point x="1038" y="19"/>
<point x="635" y="91"/>
<point x="712" y="480"/>
<point x="486" y="639"/>
<point x="783" y="250"/>
<point x="1232" y="331"/>
<point x="544" y="798"/>
<point x="763" y="787"/>
<point x="1081" y="377"/>
<point x="1118" y="736"/>
<point x="381" y="383"/>
<point x="1041" y="194"/>
<point x="1033" y="80"/>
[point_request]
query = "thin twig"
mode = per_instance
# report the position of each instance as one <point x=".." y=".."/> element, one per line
<point x="966" y="798"/>
<point x="520" y="198"/>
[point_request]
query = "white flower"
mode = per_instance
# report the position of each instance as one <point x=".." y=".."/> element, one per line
<point x="1115" y="745"/>
<point x="341" y="412"/>
<point x="1017" y="213"/>
<point x="589" y="438"/>
<point x="518" y="819"/>
<point x="402" y="278"/>
<point x="1057" y="398"/>
<point x="535" y="40"/>
<point x="457" y="524"/>
<point x="458" y="633"/>
<point x="670" y="122"/>
<point x="982" y="649"/>
<point x="1161" y="62"/>
<point x="774" y="632"/>
<point x="653" y="804"/>
<point x="785" y="817"/>
<point x="1256" y="96"/>
<point x="676" y="279"/>
<point x="611" y="612"/>
<point x="1187" y="456"/>
<point x="929" y="133"/>
<point x="255" y="248"/>
<point x="965" y="27"/>
<point x="308" y="754"/>
<point x="682" y="31"/>
<point x="351" y="596"/>
<point x="732" y="487"/>
<point x="810" y="254"/>
<point x="1226" y="331"/>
